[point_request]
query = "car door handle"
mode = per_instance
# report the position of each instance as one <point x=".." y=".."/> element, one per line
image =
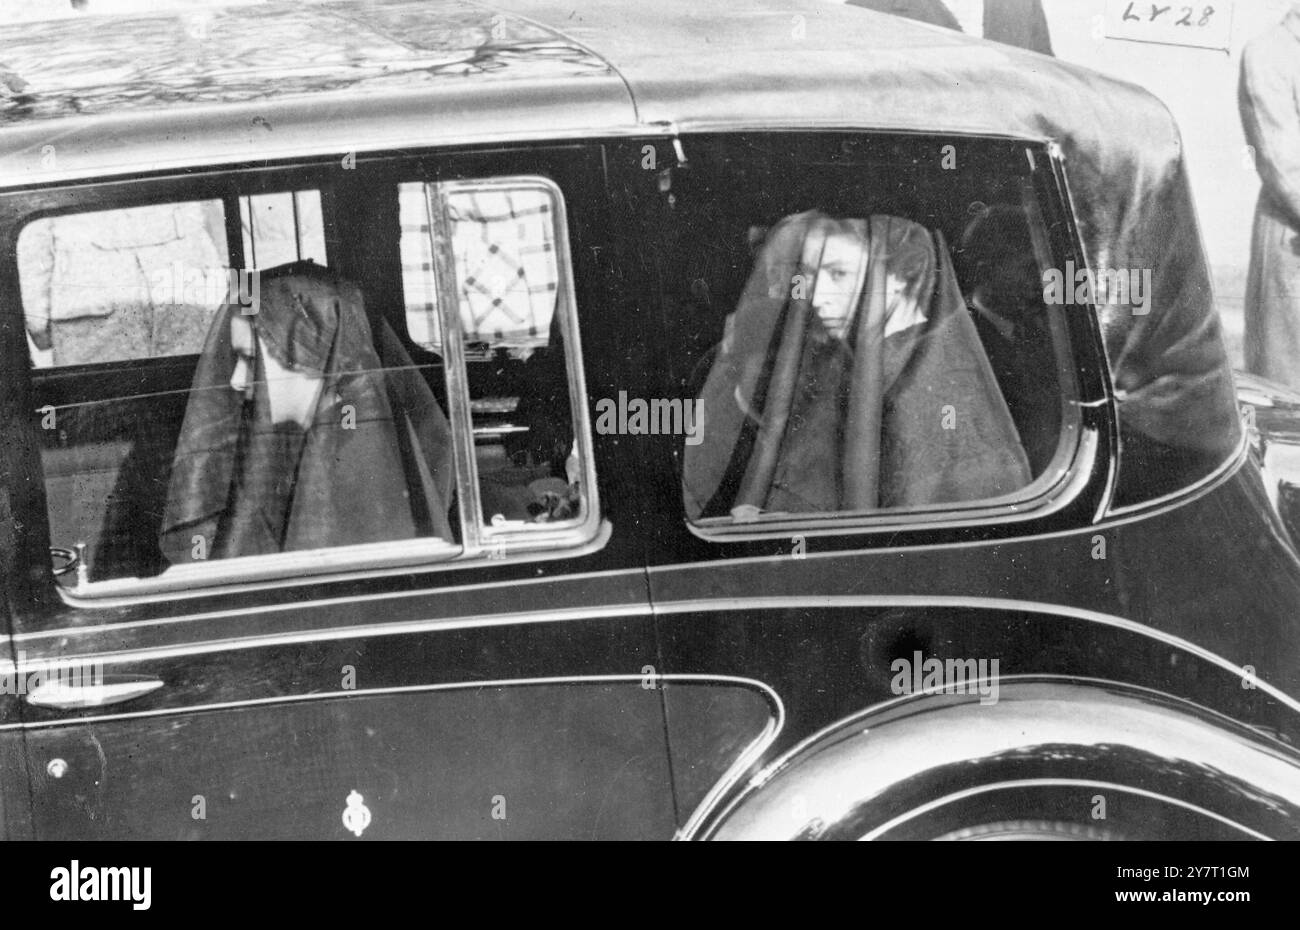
<point x="108" y="689"/>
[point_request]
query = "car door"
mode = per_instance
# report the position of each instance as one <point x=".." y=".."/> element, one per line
<point x="496" y="681"/>
<point x="780" y="613"/>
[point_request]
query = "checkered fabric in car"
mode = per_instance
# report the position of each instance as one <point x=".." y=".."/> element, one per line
<point x="504" y="246"/>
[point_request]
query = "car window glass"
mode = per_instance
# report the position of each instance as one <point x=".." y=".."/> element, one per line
<point x="141" y="282"/>
<point x="875" y="363"/>
<point x="506" y="272"/>
<point x="282" y="227"/>
<point x="286" y="420"/>
<point x="508" y="279"/>
<point x="144" y="282"/>
<point x="296" y="416"/>
<point x="419" y="283"/>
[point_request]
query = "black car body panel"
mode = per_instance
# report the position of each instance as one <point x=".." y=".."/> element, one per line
<point x="645" y="677"/>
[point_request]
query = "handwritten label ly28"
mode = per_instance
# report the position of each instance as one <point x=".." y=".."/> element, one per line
<point x="1199" y="25"/>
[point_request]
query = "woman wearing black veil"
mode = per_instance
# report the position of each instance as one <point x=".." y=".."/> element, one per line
<point x="850" y="378"/>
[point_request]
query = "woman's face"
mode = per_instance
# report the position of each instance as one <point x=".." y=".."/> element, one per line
<point x="835" y="289"/>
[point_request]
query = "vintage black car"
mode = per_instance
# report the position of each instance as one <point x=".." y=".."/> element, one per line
<point x="438" y="420"/>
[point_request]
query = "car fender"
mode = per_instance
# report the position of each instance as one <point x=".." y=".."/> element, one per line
<point x="1272" y="419"/>
<point x="1102" y="756"/>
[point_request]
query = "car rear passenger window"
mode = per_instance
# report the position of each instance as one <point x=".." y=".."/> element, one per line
<point x="878" y="359"/>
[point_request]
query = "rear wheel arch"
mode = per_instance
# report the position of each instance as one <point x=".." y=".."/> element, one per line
<point x="1052" y="758"/>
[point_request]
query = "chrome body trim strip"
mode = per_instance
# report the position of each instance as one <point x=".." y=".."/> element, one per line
<point x="595" y="545"/>
<point x="453" y="346"/>
<point x="742" y="764"/>
<point x="825" y="602"/>
<point x="388" y="564"/>
<point x="1224" y="470"/>
<point x="1002" y="604"/>
<point x="400" y="689"/>
<point x="1059" y="492"/>
<point x="355" y="631"/>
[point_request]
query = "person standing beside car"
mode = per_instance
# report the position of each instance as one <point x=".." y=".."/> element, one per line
<point x="1270" y="110"/>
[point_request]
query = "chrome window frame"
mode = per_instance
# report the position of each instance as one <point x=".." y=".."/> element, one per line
<point x="1067" y="475"/>
<point x="478" y="535"/>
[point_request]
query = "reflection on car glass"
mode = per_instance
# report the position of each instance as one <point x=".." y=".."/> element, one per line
<point x="109" y="285"/>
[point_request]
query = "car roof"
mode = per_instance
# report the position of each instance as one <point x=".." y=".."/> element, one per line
<point x="96" y="96"/>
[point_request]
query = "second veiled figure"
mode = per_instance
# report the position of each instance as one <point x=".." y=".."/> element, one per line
<point x="302" y="432"/>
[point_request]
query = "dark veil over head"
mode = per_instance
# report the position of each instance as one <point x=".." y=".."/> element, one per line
<point x="903" y="411"/>
<point x="372" y="464"/>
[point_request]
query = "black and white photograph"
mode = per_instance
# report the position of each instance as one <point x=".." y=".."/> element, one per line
<point x="672" y="421"/>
